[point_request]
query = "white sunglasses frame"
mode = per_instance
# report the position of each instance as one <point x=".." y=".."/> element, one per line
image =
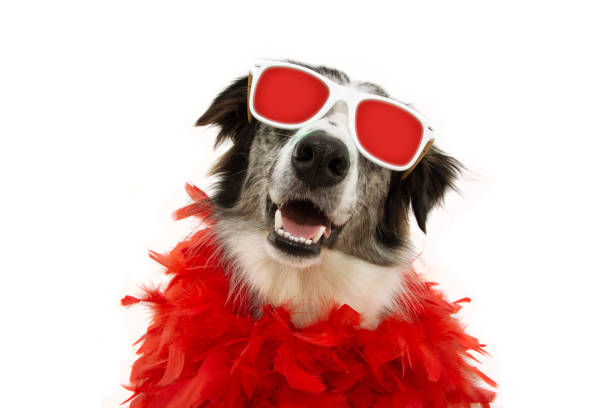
<point x="352" y="98"/>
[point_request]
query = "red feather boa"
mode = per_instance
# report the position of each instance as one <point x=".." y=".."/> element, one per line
<point x="200" y="352"/>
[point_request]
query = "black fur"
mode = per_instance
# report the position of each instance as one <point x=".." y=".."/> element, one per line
<point x="424" y="188"/>
<point x="229" y="112"/>
<point x="391" y="229"/>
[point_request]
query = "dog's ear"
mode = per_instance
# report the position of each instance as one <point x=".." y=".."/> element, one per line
<point x="425" y="186"/>
<point x="228" y="111"/>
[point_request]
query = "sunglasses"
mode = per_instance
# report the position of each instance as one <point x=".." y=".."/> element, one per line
<point x="387" y="132"/>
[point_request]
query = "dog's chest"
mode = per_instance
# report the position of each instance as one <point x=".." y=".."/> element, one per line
<point x="311" y="292"/>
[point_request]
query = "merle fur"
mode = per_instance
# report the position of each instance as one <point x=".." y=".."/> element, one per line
<point x="423" y="189"/>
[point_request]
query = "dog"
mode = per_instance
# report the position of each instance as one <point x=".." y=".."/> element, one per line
<point x="355" y="247"/>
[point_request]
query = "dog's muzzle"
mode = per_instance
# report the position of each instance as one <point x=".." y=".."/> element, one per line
<point x="300" y="225"/>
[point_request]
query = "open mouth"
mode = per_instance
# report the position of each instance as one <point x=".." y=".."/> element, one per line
<point x="300" y="228"/>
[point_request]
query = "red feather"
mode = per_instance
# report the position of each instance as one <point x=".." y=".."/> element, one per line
<point x="199" y="351"/>
<point x="129" y="300"/>
<point x="285" y="363"/>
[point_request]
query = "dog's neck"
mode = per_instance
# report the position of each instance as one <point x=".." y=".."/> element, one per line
<point x="309" y="293"/>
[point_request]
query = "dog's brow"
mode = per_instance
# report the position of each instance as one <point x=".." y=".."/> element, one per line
<point x="373" y="88"/>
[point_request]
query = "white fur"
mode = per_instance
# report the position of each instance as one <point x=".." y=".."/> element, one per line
<point x="309" y="292"/>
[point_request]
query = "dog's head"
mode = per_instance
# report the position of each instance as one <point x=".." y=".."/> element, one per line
<point x="310" y="190"/>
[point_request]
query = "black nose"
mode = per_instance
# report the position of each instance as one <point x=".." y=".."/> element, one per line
<point x="320" y="160"/>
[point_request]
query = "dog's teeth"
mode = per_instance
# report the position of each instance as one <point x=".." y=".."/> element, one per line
<point x="278" y="220"/>
<point x="289" y="236"/>
<point x="317" y="237"/>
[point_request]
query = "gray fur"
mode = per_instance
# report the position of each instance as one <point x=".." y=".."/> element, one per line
<point x="357" y="236"/>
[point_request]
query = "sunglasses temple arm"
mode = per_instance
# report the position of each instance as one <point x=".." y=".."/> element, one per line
<point x="423" y="153"/>
<point x="249" y="117"/>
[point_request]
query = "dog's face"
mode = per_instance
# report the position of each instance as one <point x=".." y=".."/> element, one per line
<point x="308" y="191"/>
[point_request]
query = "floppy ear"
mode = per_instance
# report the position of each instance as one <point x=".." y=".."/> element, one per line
<point x="229" y="111"/>
<point x="425" y="186"/>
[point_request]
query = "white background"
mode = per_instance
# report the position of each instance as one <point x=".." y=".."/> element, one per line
<point x="97" y="103"/>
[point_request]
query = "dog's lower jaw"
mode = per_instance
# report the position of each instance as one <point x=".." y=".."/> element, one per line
<point x="291" y="261"/>
<point x="311" y="290"/>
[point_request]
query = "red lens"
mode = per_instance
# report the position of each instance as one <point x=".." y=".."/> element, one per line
<point x="289" y="95"/>
<point x="389" y="133"/>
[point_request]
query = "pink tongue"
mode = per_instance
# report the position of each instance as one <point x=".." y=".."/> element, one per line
<point x="300" y="230"/>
